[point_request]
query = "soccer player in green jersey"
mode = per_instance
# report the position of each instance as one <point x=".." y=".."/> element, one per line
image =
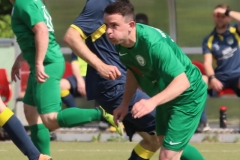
<point x="164" y="72"/>
<point x="32" y="25"/>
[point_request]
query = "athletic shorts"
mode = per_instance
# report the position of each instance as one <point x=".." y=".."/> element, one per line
<point x="73" y="82"/>
<point x="230" y="83"/>
<point x="177" y="123"/>
<point x="112" y="98"/>
<point x="45" y="96"/>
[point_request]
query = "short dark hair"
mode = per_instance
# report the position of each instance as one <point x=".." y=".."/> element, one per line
<point x="122" y="7"/>
<point x="141" y="18"/>
<point x="222" y="6"/>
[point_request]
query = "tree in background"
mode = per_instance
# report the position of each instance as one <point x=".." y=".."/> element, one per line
<point x="5" y="19"/>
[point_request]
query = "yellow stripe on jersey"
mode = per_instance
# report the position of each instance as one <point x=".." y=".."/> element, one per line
<point x="98" y="33"/>
<point x="233" y="30"/>
<point x="221" y="37"/>
<point x="80" y="31"/>
<point x="210" y="42"/>
<point x="5" y="116"/>
<point x="142" y="152"/>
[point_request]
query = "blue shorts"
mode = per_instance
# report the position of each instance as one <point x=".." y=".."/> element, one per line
<point x="73" y="82"/>
<point x="112" y="98"/>
<point x="230" y="83"/>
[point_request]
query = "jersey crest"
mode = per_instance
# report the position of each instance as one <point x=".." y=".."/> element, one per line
<point x="140" y="60"/>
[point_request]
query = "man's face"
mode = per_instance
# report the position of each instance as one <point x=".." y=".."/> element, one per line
<point x="221" y="20"/>
<point x="118" y="28"/>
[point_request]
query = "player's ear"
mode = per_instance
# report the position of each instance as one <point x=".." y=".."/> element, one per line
<point x="132" y="24"/>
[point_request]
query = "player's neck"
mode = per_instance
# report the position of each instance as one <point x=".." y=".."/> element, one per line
<point x="130" y="42"/>
<point x="221" y="30"/>
<point x="12" y="1"/>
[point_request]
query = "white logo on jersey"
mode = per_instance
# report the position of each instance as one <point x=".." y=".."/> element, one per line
<point x="227" y="53"/>
<point x="174" y="143"/>
<point x="122" y="54"/>
<point x="230" y="40"/>
<point x="140" y="60"/>
<point x="216" y="46"/>
<point x="12" y="11"/>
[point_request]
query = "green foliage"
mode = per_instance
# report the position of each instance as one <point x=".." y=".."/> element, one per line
<point x="5" y="27"/>
<point x="5" y="19"/>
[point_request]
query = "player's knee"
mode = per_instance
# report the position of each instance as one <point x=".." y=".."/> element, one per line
<point x="31" y="114"/>
<point x="2" y="106"/>
<point x="166" y="154"/>
<point x="50" y="120"/>
<point x="64" y="84"/>
<point x="152" y="142"/>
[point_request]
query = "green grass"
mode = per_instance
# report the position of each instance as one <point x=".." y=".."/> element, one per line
<point x="116" y="151"/>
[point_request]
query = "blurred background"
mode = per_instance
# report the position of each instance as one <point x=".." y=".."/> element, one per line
<point x="186" y="21"/>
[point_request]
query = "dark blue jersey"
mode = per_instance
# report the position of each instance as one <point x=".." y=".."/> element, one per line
<point x="91" y="27"/>
<point x="225" y="50"/>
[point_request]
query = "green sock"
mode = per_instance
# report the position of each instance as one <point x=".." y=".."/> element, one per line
<point x="191" y="153"/>
<point x="72" y="117"/>
<point x="41" y="138"/>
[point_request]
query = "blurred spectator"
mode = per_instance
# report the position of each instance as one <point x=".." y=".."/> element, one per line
<point x="74" y="86"/>
<point x="142" y="18"/>
<point x="222" y="44"/>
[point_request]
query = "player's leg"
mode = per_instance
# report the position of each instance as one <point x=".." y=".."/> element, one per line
<point x="145" y="149"/>
<point x="39" y="133"/>
<point x="184" y="120"/>
<point x="67" y="85"/>
<point x="235" y="85"/>
<point x="10" y="123"/>
<point x="49" y="103"/>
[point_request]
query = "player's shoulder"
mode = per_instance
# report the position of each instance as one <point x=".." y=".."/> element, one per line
<point x="150" y="34"/>
<point x="96" y="5"/>
<point x="26" y="4"/>
<point x="209" y="36"/>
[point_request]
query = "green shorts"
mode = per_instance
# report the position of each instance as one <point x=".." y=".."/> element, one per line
<point x="45" y="96"/>
<point x="177" y="123"/>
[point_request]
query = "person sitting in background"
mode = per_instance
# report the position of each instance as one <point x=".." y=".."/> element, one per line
<point x="141" y="18"/>
<point x="222" y="44"/>
<point x="74" y="86"/>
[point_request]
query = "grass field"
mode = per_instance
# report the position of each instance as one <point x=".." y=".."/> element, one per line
<point x="115" y="151"/>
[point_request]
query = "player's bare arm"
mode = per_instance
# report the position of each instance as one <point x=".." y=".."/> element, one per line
<point x="75" y="41"/>
<point x="173" y="90"/>
<point x="80" y="81"/>
<point x="15" y="73"/>
<point x="214" y="83"/>
<point x="41" y="41"/>
<point x="129" y="90"/>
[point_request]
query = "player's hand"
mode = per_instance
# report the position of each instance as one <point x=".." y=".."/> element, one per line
<point x="220" y="11"/>
<point x="119" y="113"/>
<point x="15" y="72"/>
<point x="108" y="71"/>
<point x="216" y="85"/>
<point x="143" y="107"/>
<point x="41" y="76"/>
<point x="81" y="87"/>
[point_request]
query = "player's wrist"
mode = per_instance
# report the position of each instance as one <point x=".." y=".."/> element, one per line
<point x="210" y="78"/>
<point x="227" y="12"/>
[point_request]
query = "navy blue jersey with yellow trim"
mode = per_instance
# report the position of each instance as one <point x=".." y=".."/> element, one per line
<point x="225" y="50"/>
<point x="91" y="27"/>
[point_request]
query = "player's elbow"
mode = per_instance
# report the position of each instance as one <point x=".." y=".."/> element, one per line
<point x="185" y="82"/>
<point x="68" y="37"/>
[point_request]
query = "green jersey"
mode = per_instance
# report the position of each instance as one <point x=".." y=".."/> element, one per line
<point x="25" y="14"/>
<point x="156" y="60"/>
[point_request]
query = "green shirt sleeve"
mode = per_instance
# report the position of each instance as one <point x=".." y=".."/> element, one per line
<point x="165" y="62"/>
<point x="30" y="14"/>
